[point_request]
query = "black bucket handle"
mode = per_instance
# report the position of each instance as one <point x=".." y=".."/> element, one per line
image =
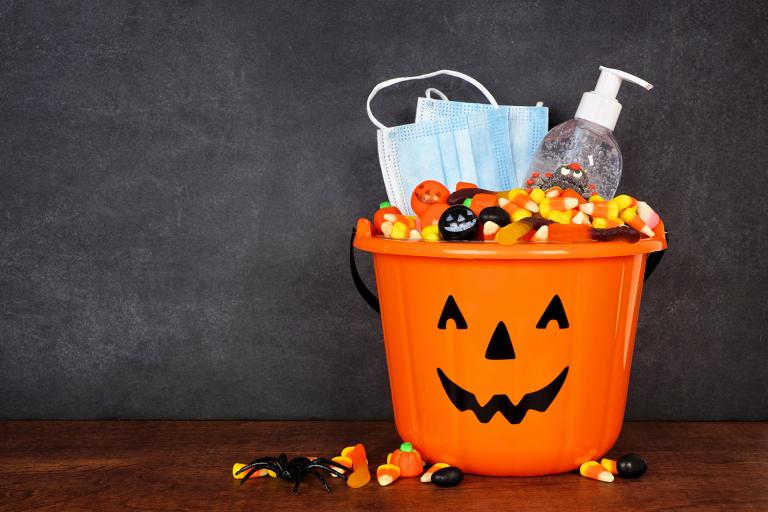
<point x="651" y="263"/>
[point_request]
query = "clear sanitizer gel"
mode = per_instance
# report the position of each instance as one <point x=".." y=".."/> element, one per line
<point x="588" y="138"/>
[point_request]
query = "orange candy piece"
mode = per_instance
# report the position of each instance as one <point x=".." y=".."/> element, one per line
<point x="610" y="465"/>
<point x="569" y="192"/>
<point x="592" y="469"/>
<point x="426" y="194"/>
<point x="482" y="201"/>
<point x="427" y="476"/>
<point x="387" y="473"/>
<point x="360" y="473"/>
<point x="431" y="214"/>
<point x="465" y="184"/>
<point x="569" y="233"/>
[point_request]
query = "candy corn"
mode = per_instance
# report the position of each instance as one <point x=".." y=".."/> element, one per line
<point x="605" y="209"/>
<point x="557" y="203"/>
<point x="344" y="461"/>
<point x="387" y="473"/>
<point x="541" y="234"/>
<point x="490" y="229"/>
<point x="624" y="201"/>
<point x="553" y="192"/>
<point x="537" y="195"/>
<point x="580" y="218"/>
<point x="632" y="219"/>
<point x="559" y="217"/>
<point x="238" y="466"/>
<point x="399" y="231"/>
<point x="427" y="476"/>
<point x="523" y="200"/>
<point x="430" y="233"/>
<point x="521" y="213"/>
<point x="415" y="235"/>
<point x="592" y="469"/>
<point x="600" y="223"/>
<point x="650" y="217"/>
<point x="569" y="192"/>
<point x="610" y="465"/>
<point x="596" y="198"/>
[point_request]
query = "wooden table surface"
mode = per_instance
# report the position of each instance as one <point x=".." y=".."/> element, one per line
<point x="186" y="465"/>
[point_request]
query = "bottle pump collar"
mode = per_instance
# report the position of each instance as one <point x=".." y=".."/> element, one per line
<point x="600" y="106"/>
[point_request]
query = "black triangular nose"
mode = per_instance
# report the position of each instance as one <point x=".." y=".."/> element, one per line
<point x="500" y="346"/>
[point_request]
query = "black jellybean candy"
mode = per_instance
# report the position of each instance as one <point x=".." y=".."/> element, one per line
<point x="448" y="477"/>
<point x="630" y="466"/>
<point x="495" y="214"/>
<point x="458" y="223"/>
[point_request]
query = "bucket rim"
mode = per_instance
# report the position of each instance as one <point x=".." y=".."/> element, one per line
<point x="366" y="241"/>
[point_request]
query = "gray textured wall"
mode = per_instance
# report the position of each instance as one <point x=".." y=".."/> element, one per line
<point x="179" y="182"/>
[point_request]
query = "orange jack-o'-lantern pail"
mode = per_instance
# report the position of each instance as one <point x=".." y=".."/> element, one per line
<point x="508" y="360"/>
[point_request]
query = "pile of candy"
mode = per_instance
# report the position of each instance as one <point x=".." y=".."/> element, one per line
<point x="352" y="466"/>
<point x="627" y="466"/>
<point x="514" y="216"/>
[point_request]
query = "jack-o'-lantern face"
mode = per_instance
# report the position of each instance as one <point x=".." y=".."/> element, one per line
<point x="500" y="347"/>
<point x="428" y="193"/>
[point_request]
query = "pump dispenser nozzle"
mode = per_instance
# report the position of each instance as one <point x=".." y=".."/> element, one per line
<point x="600" y="106"/>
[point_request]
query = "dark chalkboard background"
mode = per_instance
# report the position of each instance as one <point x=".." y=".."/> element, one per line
<point x="179" y="183"/>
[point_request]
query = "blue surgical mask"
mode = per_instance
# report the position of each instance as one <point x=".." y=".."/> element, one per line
<point x="527" y="125"/>
<point x="472" y="146"/>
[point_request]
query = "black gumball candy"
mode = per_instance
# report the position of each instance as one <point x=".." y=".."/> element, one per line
<point x="458" y="223"/>
<point x="495" y="214"/>
<point x="631" y="466"/>
<point x="448" y="477"/>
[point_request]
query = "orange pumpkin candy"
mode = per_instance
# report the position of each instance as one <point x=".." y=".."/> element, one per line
<point x="408" y="460"/>
<point x="426" y="194"/>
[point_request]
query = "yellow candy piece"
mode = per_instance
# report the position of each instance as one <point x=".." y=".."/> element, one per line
<point x="521" y="214"/>
<point x="559" y="217"/>
<point x="601" y="223"/>
<point x="537" y="195"/>
<point x="544" y="207"/>
<point x="431" y="233"/>
<point x="511" y="233"/>
<point x="592" y="469"/>
<point x="238" y="466"/>
<point x="596" y="198"/>
<point x="400" y="231"/>
<point x="515" y="191"/>
<point x="624" y="201"/>
<point x="345" y="451"/>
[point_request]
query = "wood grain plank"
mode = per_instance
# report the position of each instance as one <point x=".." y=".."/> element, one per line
<point x="185" y="465"/>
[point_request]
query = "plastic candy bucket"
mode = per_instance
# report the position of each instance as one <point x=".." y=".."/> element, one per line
<point x="508" y="360"/>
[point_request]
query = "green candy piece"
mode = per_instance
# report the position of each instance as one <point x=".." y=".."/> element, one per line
<point x="384" y="204"/>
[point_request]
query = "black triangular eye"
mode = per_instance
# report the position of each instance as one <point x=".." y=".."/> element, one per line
<point x="451" y="311"/>
<point x="555" y="312"/>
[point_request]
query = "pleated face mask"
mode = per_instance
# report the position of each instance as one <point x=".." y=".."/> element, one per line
<point x="527" y="125"/>
<point x="471" y="146"/>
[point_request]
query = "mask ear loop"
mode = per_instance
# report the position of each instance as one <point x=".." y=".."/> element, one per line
<point x="448" y="72"/>
<point x="440" y="94"/>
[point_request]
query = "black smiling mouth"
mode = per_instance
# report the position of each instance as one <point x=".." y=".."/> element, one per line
<point x="539" y="400"/>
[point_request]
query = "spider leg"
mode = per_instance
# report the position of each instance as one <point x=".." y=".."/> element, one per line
<point x="296" y="487"/>
<point x="263" y="460"/>
<point x="329" y="469"/>
<point x="322" y="480"/>
<point x="254" y="467"/>
<point x="332" y="463"/>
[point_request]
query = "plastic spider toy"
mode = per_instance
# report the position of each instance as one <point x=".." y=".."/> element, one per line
<point x="296" y="469"/>
<point x="567" y="176"/>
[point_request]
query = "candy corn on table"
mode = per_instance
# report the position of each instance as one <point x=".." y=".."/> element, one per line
<point x="186" y="465"/>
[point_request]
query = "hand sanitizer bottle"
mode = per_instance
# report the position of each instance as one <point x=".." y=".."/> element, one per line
<point x="586" y="140"/>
